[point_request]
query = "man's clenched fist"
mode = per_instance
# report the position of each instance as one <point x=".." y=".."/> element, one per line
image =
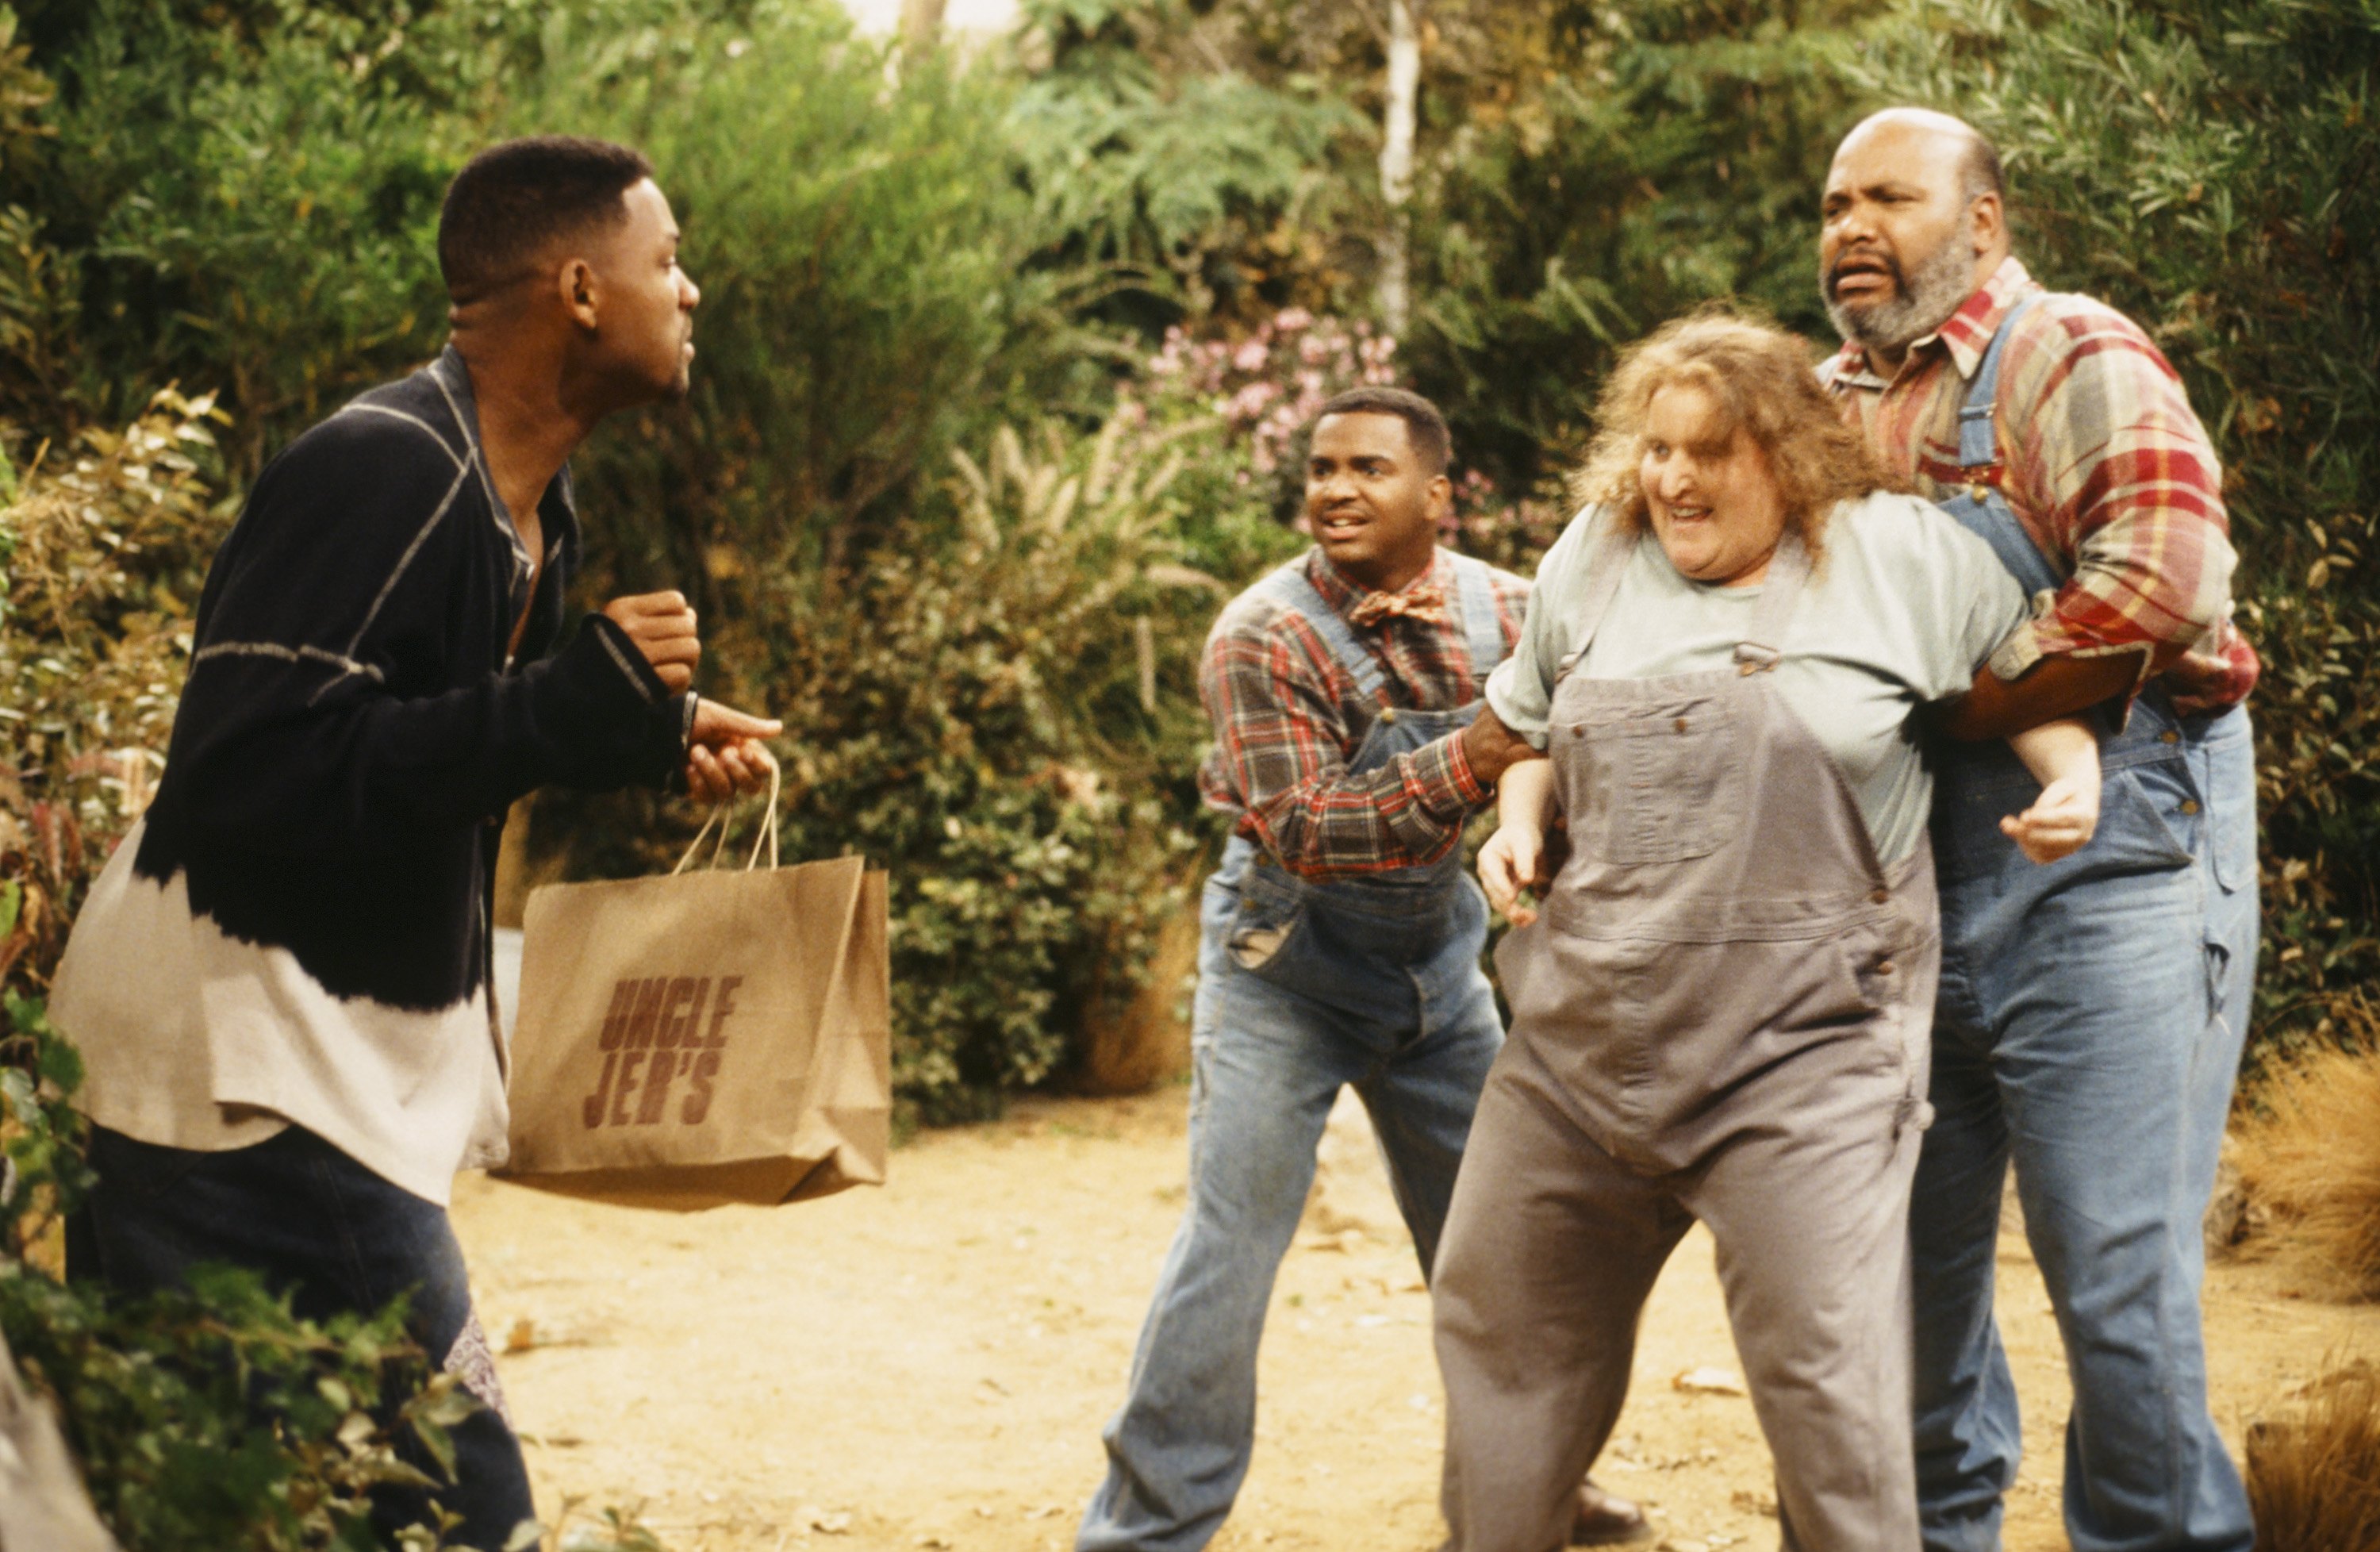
<point x="725" y="754"/>
<point x="661" y="624"/>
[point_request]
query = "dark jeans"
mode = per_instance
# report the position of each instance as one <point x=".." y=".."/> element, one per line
<point x="339" y="1238"/>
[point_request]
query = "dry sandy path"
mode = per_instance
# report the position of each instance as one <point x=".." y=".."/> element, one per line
<point x="927" y="1364"/>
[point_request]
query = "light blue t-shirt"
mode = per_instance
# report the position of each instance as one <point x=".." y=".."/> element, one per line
<point x="1902" y="609"/>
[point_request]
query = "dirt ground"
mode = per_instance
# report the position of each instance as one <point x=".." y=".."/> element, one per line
<point x="927" y="1366"/>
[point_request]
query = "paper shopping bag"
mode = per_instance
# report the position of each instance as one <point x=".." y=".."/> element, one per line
<point x="715" y="1035"/>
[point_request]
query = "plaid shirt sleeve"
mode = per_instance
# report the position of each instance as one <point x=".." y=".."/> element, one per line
<point x="1279" y="735"/>
<point x="2110" y="458"/>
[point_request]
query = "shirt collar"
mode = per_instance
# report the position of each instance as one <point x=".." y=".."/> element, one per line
<point x="1343" y="592"/>
<point x="453" y="376"/>
<point x="558" y="501"/>
<point x="1965" y="334"/>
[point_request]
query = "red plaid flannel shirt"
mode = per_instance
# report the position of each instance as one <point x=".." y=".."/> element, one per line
<point x="1288" y="718"/>
<point x="2104" y="463"/>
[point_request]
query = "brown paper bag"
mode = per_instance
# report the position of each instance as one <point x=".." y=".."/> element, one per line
<point x="715" y="1035"/>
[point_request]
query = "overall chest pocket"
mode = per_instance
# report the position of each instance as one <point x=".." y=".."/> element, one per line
<point x="1663" y="779"/>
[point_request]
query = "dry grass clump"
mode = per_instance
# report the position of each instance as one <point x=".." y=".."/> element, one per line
<point x="2309" y="1153"/>
<point x="2313" y="1471"/>
<point x="1148" y="1040"/>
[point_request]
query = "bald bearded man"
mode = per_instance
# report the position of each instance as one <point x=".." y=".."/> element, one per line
<point x="2091" y="1012"/>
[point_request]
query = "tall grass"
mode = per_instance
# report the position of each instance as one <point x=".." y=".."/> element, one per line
<point x="2314" y="1472"/>
<point x="2309" y="1151"/>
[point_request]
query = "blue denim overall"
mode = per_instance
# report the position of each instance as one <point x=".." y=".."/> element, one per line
<point x="2089" y="1029"/>
<point x="1304" y="986"/>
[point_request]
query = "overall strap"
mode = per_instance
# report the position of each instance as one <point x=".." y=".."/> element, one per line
<point x="1613" y="550"/>
<point x="1978" y="447"/>
<point x="1762" y="647"/>
<point x="1291" y="587"/>
<point x="1476" y="584"/>
<point x="1995" y="522"/>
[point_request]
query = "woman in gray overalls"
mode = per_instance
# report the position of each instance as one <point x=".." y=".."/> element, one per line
<point x="1723" y="1014"/>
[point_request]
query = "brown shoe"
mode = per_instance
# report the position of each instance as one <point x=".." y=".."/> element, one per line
<point x="1607" y="1519"/>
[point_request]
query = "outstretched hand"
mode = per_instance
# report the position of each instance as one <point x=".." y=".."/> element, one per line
<point x="2062" y="820"/>
<point x="725" y="755"/>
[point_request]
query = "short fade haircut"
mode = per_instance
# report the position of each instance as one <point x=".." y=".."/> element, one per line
<point x="1424" y="427"/>
<point x="513" y="200"/>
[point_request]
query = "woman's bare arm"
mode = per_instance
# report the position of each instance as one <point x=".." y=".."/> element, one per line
<point x="1515" y="855"/>
<point x="2064" y="755"/>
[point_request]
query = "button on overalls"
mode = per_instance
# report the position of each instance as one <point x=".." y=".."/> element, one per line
<point x="1721" y="1013"/>
<point x="1305" y="987"/>
<point x="2090" y="1019"/>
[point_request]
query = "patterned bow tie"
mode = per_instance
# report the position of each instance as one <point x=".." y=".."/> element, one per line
<point x="1423" y="603"/>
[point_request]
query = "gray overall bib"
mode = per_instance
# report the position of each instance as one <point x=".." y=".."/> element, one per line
<point x="1305" y="987"/>
<point x="1721" y="1013"/>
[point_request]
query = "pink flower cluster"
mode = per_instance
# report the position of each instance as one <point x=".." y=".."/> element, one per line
<point x="1265" y="387"/>
<point x="1500" y="530"/>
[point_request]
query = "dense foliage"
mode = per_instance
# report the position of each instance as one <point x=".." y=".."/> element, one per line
<point x="2213" y="168"/>
<point x="211" y="1420"/>
<point x="1656" y="158"/>
<point x="867" y="301"/>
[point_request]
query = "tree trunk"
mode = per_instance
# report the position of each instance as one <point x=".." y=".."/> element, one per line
<point x="921" y="24"/>
<point x="1396" y="163"/>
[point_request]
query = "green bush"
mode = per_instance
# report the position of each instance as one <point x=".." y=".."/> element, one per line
<point x="2211" y="167"/>
<point x="207" y="1418"/>
<point x="867" y="302"/>
<point x="1658" y="156"/>
<point x="249" y="200"/>
<point x="102" y="544"/>
<point x="1205" y="185"/>
<point x="1007" y="711"/>
<point x="255" y="212"/>
<point x="211" y="1420"/>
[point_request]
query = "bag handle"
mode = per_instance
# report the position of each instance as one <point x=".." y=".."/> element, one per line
<point x="766" y="837"/>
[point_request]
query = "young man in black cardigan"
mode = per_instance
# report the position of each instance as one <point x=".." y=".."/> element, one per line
<point x="280" y="984"/>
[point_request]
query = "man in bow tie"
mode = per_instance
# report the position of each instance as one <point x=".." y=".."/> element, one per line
<point x="1341" y="937"/>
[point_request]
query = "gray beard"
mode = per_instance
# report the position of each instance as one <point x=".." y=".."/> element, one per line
<point x="1930" y="294"/>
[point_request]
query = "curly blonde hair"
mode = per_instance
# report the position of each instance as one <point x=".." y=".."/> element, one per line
<point x="1761" y="381"/>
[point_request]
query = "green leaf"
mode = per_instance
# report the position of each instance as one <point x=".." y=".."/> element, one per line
<point x="16" y="1087"/>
